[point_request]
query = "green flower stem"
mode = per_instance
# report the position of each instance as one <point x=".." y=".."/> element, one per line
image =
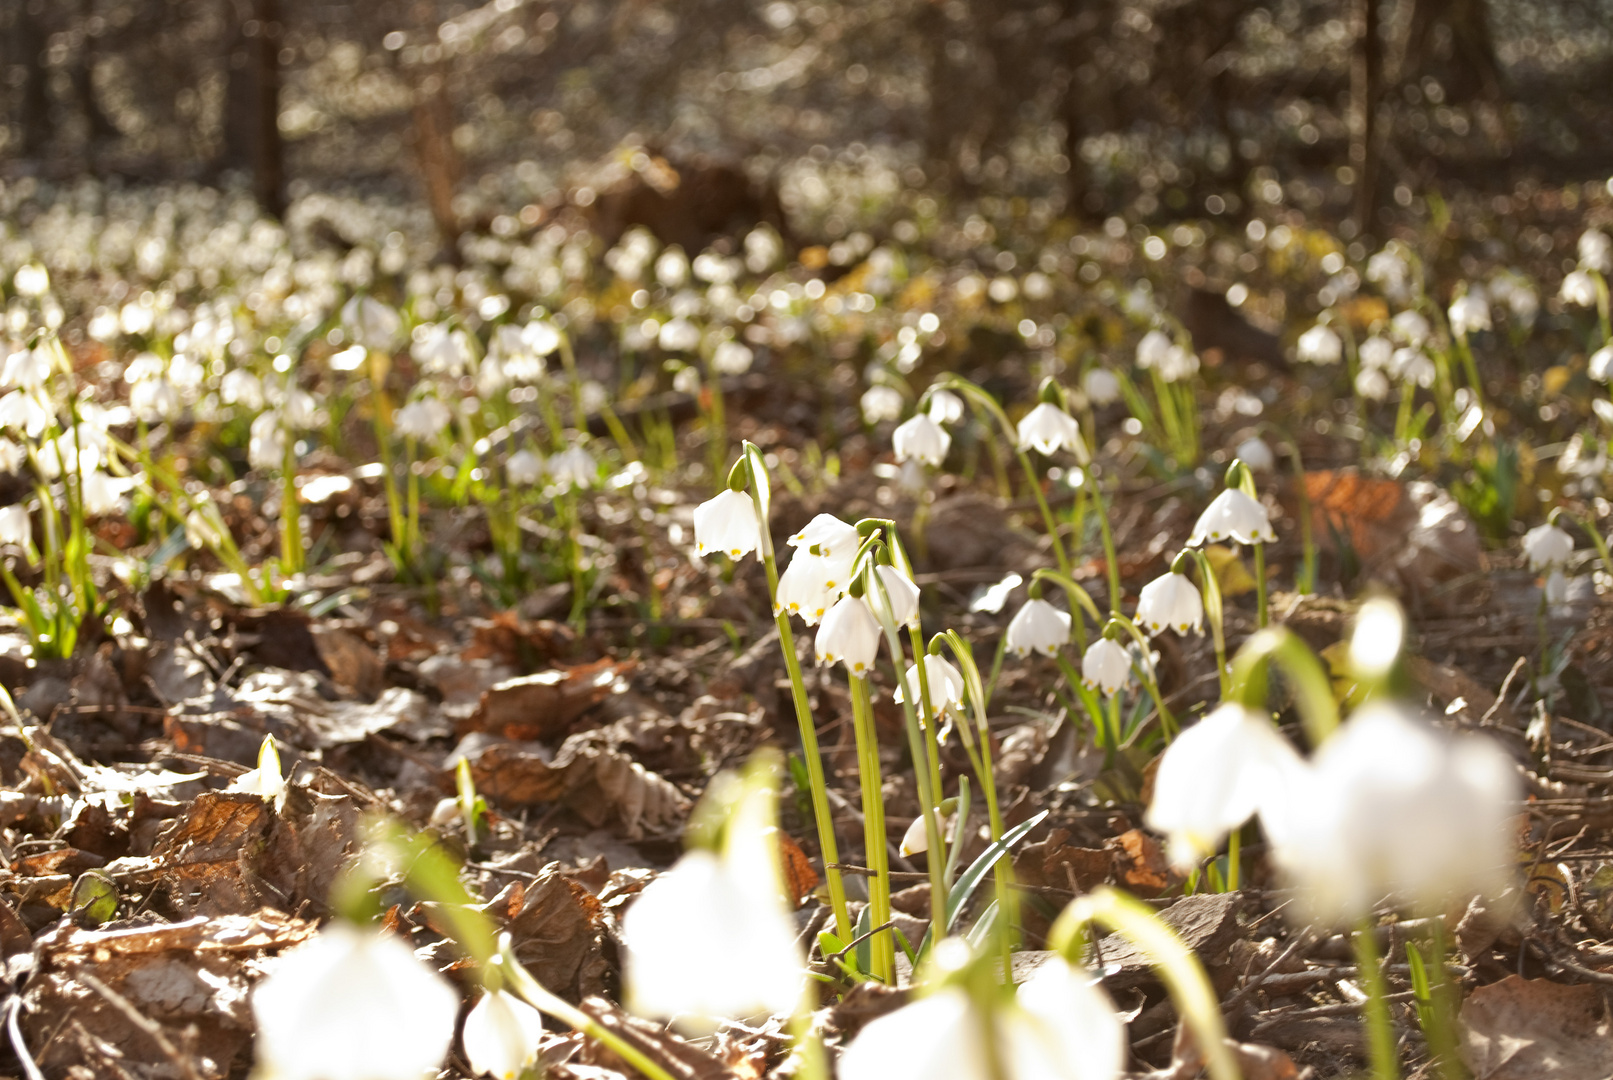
<point x="1375" y="1011"/>
<point x="1190" y="990"/>
<point x="567" y="1013"/>
<point x="291" y="546"/>
<point x="882" y="949"/>
<point x="1234" y="858"/>
<point x="1408" y="396"/>
<point x="929" y="715"/>
<point x="1078" y="530"/>
<point x="411" y="533"/>
<point x="1261" y="614"/>
<point x="1111" y="560"/>
<point x="1447" y="998"/>
<point x="716" y="427"/>
<point x="1602" y="305"/>
<point x="568" y="359"/>
<point x="1089" y="702"/>
<point x="1145" y="674"/>
<point x="1306" y="584"/>
<point x="1318" y="708"/>
<point x="1597" y="541"/>
<point x="1079" y="597"/>
<point x="761" y="492"/>
<point x="1464" y="351"/>
<point x="1215" y="615"/>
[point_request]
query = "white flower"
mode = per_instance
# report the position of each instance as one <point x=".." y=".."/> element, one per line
<point x="828" y="535"/>
<point x="1256" y="454"/>
<point x="1392" y="805"/>
<point x="1102" y="386"/>
<point x="881" y="403"/>
<point x="686" y="380"/>
<point x="945" y="683"/>
<point x="31" y="280"/>
<point x="1178" y="363"/>
<point x="1152" y="349"/>
<point x="441" y="350"/>
<point x="1601" y="364"/>
<point x="672" y="268"/>
<point x="16" y="527"/>
<point x="575" y="467"/>
<point x="524" y="467"/>
<point x="27" y="369"/>
<point x="1233" y="516"/>
<point x="154" y="399"/>
<point x="1595" y="251"/>
<point x="1371" y="383"/>
<point x="266" y="443"/>
<point x="22" y="410"/>
<point x="1469" y="312"/>
<point x="240" y="387"/>
<point x="921" y="437"/>
<point x="266" y="781"/>
<point x="1215" y="776"/>
<point x="11" y="456"/>
<point x="423" y="418"/>
<point x="938" y="1037"/>
<point x="1413" y="366"/>
<point x="1547" y="546"/>
<point x="903" y="593"/>
<point x="1320" y="345"/>
<point x="1106" y="666"/>
<point x="732" y="358"/>
<point x="945" y="407"/>
<point x="501" y="1035"/>
<point x="710" y="939"/>
<point x="1389" y="269"/>
<point x="1170" y="600"/>
<point x="1376" y="352"/>
<point x="300" y="410"/>
<point x="1047" y="428"/>
<point x="1411" y="327"/>
<point x="103" y="494"/>
<point x="727" y="524"/>
<point x="1579" y="288"/>
<point x="812" y="583"/>
<point x="849" y="635"/>
<point x="373" y="324"/>
<point x="679" y="335"/>
<point x="916" y="840"/>
<point x="1556" y="587"/>
<point x="541" y="336"/>
<point x="352" y="1004"/>
<point x="1038" y="627"/>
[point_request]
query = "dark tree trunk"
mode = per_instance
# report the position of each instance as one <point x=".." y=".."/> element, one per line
<point x="1366" y="78"/>
<point x="440" y="166"/>
<point x="34" y="97"/>
<point x="252" y="100"/>
<point x="97" y="126"/>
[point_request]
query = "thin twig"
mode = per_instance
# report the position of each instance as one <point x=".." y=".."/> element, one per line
<point x="18" y="1046"/>
<point x="143" y="1022"/>
<point x="858" y="940"/>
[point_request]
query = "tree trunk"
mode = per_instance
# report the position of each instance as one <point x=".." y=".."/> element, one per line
<point x="252" y="100"/>
<point x="440" y="166"/>
<point x="1366" y="77"/>
<point x="34" y="114"/>
<point x="98" y="128"/>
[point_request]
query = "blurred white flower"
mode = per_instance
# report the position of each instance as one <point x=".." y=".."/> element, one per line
<point x="24" y="411"/>
<point x="1389" y="269"/>
<point x="1215" y="776"/>
<point x="422" y="418"/>
<point x="31" y="280"/>
<point x="1320" y="345"/>
<point x="1178" y="363"/>
<point x="1579" y="288"/>
<point x="1376" y="352"/>
<point x="916" y="840"/>
<point x="541" y="336"/>
<point x="11" y="456"/>
<point x="903" y="593"/>
<point x="1601" y="364"/>
<point x="920" y="437"/>
<point x="1102" y="386"/>
<point x="575" y="467"/>
<point x="153" y="400"/>
<point x="266" y="442"/>
<point x="299" y="409"/>
<point x="372" y="323"/>
<point x="945" y="407"/>
<point x="26" y="368"/>
<point x="686" y="380"/>
<point x="524" y="467"/>
<point x="1170" y="600"/>
<point x="16" y="527"/>
<point x="945" y="683"/>
<point x="1038" y="626"/>
<point x="103" y="494"/>
<point x="352" y="1004"/>
<point x="679" y="335"/>
<point x="441" y="350"/>
<point x="849" y="635"/>
<point x="501" y="1035"/>
<point x="881" y="403"/>
<point x="1411" y="328"/>
<point x="240" y="387"/>
<point x="1392" y="805"/>
<point x="1372" y="384"/>
<point x="1556" y="590"/>
<point x="727" y="523"/>
<point x="1047" y="428"/>
<point x="1152" y="349"/>
<point x="1257" y="454"/>
<point x="1233" y="516"/>
<point x="1413" y="366"/>
<point x="1595" y="251"/>
<point x="1547" y="546"/>
<point x="1469" y="313"/>
<point x="1106" y="666"/>
<point x="732" y="358"/>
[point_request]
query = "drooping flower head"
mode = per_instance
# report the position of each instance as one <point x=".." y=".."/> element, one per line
<point x="501" y="1035"/>
<point x="1170" y="601"/>
<point x="1038" y="627"/>
<point x="727" y="523"/>
<point x="1106" y="666"/>
<point x="1547" y="546"/>
<point x="922" y="438"/>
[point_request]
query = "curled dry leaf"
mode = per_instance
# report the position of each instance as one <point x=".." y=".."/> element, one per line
<point x="543" y="706"/>
<point x="1536" y="1029"/>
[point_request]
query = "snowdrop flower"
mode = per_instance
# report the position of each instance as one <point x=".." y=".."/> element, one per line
<point x="922" y="438"/>
<point x="945" y="407"/>
<point x="103" y="494"/>
<point x="352" y="1004"/>
<point x="916" y="840"/>
<point x="501" y="1035"/>
<point x="678" y="335"/>
<point x="1389" y="269"/>
<point x="1579" y="288"/>
<point x="1411" y="327"/>
<point x="1469" y="313"/>
<point x="1547" y="546"/>
<point x="11" y="456"/>
<point x="266" y="781"/>
<point x="16" y="527"/>
<point x="686" y="380"/>
<point x="1320" y="345"/>
<point x="849" y="635"/>
<point x="812" y="582"/>
<point x="1556" y="590"/>
<point x="575" y="467"/>
<point x="1376" y="352"/>
<point x="945" y="683"/>
<point x="1178" y="363"/>
<point x="1047" y="428"/>
<point x="423" y="418"/>
<point x="732" y="358"/>
<point x="31" y="280"/>
<point x="240" y="387"/>
<point x="27" y="369"/>
<point x="541" y="336"/>
<point x="441" y="350"/>
<point x="727" y="524"/>
<point x="1106" y="666"/>
<point x="153" y="400"/>
<point x="1215" y="776"/>
<point x="903" y="593"/>
<point x="1371" y="383"/>
<point x="710" y="939"/>
<point x="880" y="403"/>
<point x="1595" y="251"/>
<point x="373" y="324"/>
<point x="672" y="268"/>
<point x="1256" y="454"/>
<point x="829" y="536"/>
<point x="525" y="467"/>
<point x="1601" y="364"/>
<point x="1170" y="600"/>
<point x="266" y="442"/>
<point x="1038" y="627"/>
<point x="1392" y="805"/>
<point x="1413" y="366"/>
<point x="22" y="410"/>
<point x="1152" y="349"/>
<point x="1102" y="386"/>
<point x="1233" y="516"/>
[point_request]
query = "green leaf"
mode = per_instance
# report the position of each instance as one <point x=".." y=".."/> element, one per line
<point x="94" y="899"/>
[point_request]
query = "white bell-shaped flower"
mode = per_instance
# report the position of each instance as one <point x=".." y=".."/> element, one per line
<point x="352" y="1004"/>
<point x="944" y="680"/>
<point x="1411" y="328"/>
<point x="1320" y="345"/>
<point x="1178" y="363"/>
<point x="1375" y="352"/>
<point x="1600" y="365"/>
<point x="1038" y="627"/>
<point x="525" y="467"/>
<point x="1233" y="515"/>
<point x="501" y="1035"/>
<point x="880" y="403"/>
<point x="1102" y="386"/>
<point x="916" y="840"/>
<point x="1170" y="600"/>
<point x="727" y="524"/>
<point x="1372" y="384"/>
<point x="1047" y="428"/>
<point x="903" y="593"/>
<point x="1547" y="546"/>
<point x="1579" y="289"/>
<point x="945" y="407"/>
<point x="849" y="635"/>
<point x="812" y="583"/>
<point x="266" y="441"/>
<point x="922" y="438"/>
<point x="1257" y="454"/>
<point x="1391" y="805"/>
<point x="1469" y="313"/>
<point x="1215" y="776"/>
<point x="372" y="323"/>
<point x="266" y="781"/>
<point x="574" y="467"/>
<point x="1152" y="349"/>
<point x="828" y="534"/>
<point x="1596" y="251"/>
<point x="422" y="418"/>
<point x="16" y="527"/>
<point x="1106" y="666"/>
<point x="103" y="494"/>
<point x="732" y="358"/>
